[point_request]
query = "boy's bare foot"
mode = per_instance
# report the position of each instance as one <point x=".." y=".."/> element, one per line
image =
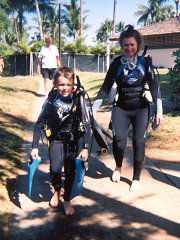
<point x="135" y="186"/>
<point x="116" y="175"/>
<point x="54" y="202"/>
<point x="69" y="211"/>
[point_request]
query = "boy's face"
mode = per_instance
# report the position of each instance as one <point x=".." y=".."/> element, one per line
<point x="65" y="86"/>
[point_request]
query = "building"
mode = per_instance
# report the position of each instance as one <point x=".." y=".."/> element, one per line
<point x="162" y="39"/>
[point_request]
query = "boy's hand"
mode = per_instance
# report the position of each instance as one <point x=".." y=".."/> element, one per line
<point x="34" y="153"/>
<point x="83" y="154"/>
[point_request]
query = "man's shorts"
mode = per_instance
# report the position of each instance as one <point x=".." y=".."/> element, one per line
<point x="48" y="72"/>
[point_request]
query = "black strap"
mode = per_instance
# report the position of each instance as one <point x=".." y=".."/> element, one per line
<point x="131" y="89"/>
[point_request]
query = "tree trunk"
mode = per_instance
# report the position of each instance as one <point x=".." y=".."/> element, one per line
<point x="39" y="20"/>
<point x="81" y="19"/>
<point x="114" y="17"/>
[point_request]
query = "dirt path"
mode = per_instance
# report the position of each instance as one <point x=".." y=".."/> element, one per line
<point x="105" y="210"/>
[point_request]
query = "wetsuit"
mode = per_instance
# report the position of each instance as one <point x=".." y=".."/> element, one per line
<point x="62" y="116"/>
<point x="130" y="107"/>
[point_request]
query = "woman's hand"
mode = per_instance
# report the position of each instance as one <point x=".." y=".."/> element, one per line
<point x="159" y="118"/>
<point x="83" y="154"/>
<point x="34" y="153"/>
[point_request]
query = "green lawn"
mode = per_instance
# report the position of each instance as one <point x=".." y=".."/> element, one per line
<point x="17" y="95"/>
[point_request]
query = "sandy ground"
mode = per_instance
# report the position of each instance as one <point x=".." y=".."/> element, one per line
<point x="105" y="210"/>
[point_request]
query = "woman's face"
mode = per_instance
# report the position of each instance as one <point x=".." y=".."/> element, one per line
<point x="129" y="47"/>
<point x="65" y="86"/>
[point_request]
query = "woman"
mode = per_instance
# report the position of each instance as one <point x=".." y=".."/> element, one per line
<point x="131" y="73"/>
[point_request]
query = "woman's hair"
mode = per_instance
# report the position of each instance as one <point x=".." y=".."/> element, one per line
<point x="128" y="33"/>
<point x="65" y="72"/>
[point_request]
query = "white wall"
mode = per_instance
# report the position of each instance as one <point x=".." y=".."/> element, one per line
<point x="162" y="57"/>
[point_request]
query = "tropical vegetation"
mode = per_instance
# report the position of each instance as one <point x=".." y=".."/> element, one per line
<point x="155" y="11"/>
<point x="14" y="37"/>
<point x="175" y="80"/>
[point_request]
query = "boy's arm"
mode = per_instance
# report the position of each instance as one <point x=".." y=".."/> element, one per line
<point x="85" y="151"/>
<point x="37" y="130"/>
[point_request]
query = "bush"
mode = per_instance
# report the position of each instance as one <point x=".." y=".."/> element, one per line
<point x="5" y="49"/>
<point x="175" y="81"/>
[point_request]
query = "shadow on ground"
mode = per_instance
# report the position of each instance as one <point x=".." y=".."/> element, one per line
<point x="87" y="224"/>
<point x="106" y="218"/>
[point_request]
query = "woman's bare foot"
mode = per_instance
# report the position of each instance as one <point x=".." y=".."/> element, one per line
<point x="135" y="186"/>
<point x="69" y="211"/>
<point x="116" y="175"/>
<point x="54" y="202"/>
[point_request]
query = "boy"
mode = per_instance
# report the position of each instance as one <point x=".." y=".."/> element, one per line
<point x="62" y="112"/>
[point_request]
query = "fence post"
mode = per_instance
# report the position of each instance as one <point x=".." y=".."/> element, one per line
<point x="103" y="58"/>
<point x="26" y="66"/>
<point x="15" y="65"/>
<point x="98" y="62"/>
<point x="74" y="62"/>
<point x="69" y="59"/>
<point x="31" y="70"/>
<point x="107" y="53"/>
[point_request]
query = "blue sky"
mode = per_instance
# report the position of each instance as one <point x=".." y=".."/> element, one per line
<point x="100" y="10"/>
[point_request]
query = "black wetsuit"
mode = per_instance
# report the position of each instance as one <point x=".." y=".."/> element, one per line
<point x="129" y="108"/>
<point x="62" y="116"/>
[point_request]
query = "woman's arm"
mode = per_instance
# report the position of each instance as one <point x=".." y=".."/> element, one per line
<point x="106" y="86"/>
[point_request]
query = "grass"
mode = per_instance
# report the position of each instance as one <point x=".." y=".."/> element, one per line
<point x="92" y="82"/>
<point x="167" y="135"/>
<point x="17" y="95"/>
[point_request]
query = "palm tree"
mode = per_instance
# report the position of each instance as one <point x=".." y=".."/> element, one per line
<point x="105" y="30"/>
<point x="155" y="11"/>
<point x="81" y="19"/>
<point x="71" y="18"/>
<point x="120" y="26"/>
<point x="4" y="24"/>
<point x="18" y="9"/>
<point x="39" y="20"/>
<point x="14" y="17"/>
<point x="50" y="19"/>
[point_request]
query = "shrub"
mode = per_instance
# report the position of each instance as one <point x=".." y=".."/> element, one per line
<point x="175" y="81"/>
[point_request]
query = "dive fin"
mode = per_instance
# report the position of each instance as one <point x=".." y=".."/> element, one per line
<point x="32" y="166"/>
<point x="78" y="179"/>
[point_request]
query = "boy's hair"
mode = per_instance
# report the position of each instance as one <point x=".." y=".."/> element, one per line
<point x="65" y="72"/>
<point x="131" y="32"/>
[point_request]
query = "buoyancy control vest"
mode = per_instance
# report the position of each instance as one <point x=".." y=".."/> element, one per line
<point x="130" y="76"/>
<point x="66" y="121"/>
<point x="132" y="83"/>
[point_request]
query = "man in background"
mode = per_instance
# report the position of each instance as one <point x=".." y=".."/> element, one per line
<point x="48" y="61"/>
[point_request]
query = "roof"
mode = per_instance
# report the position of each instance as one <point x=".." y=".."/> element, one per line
<point x="169" y="26"/>
<point x="165" y="27"/>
